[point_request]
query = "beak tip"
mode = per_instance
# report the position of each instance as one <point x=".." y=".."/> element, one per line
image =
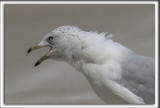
<point x="37" y="63"/>
<point x="35" y="66"/>
<point x="29" y="50"/>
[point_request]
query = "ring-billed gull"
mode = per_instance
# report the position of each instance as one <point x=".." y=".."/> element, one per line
<point x="116" y="74"/>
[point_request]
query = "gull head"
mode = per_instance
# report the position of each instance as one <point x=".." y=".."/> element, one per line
<point x="58" y="41"/>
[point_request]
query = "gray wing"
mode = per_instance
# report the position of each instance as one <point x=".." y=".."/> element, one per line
<point x="139" y="76"/>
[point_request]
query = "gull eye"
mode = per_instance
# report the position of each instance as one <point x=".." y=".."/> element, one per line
<point x="50" y="38"/>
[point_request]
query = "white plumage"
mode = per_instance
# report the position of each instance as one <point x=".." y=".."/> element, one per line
<point x="116" y="74"/>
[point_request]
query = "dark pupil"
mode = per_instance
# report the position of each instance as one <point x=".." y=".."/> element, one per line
<point x="50" y="38"/>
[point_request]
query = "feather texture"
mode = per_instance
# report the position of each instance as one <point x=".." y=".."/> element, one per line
<point x="117" y="74"/>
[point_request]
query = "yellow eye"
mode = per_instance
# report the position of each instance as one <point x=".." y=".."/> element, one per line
<point x="50" y="38"/>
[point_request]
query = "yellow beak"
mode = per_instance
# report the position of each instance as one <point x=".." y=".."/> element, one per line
<point x="42" y="58"/>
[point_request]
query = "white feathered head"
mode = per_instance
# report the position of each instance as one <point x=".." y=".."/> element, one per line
<point x="66" y="41"/>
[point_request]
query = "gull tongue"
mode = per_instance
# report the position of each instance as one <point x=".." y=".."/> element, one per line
<point x="50" y="49"/>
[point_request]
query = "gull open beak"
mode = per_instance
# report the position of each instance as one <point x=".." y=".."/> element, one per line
<point x="42" y="58"/>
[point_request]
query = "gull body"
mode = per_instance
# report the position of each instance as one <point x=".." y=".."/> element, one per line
<point x="116" y="74"/>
